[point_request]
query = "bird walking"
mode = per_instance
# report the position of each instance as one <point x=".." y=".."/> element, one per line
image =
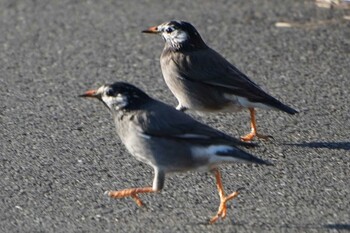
<point x="204" y="81"/>
<point x="168" y="140"/>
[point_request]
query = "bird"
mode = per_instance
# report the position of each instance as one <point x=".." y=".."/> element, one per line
<point x="203" y="81"/>
<point x="168" y="140"/>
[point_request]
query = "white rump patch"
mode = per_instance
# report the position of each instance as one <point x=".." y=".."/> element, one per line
<point x="247" y="104"/>
<point x="211" y="154"/>
<point x="201" y="151"/>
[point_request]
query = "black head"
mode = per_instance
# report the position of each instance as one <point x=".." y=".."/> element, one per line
<point x="179" y="35"/>
<point x="119" y="96"/>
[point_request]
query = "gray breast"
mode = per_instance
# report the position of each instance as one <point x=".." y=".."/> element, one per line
<point x="167" y="154"/>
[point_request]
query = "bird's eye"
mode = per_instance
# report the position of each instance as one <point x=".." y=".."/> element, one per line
<point x="109" y="92"/>
<point x="169" y="30"/>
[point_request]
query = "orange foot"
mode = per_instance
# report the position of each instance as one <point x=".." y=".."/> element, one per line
<point x="222" y="208"/>
<point x="251" y="135"/>
<point x="223" y="199"/>
<point x="130" y="193"/>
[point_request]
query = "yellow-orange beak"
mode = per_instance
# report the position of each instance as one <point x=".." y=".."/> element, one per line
<point x="90" y="93"/>
<point x="153" y="30"/>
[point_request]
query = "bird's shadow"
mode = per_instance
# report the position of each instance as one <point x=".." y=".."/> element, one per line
<point x="338" y="226"/>
<point x="333" y="226"/>
<point x="329" y="145"/>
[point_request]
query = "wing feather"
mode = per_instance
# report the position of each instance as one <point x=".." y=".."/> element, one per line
<point x="164" y="121"/>
<point x="208" y="67"/>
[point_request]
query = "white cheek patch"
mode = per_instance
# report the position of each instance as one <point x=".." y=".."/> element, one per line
<point x="176" y="37"/>
<point x="116" y="102"/>
<point x="180" y="37"/>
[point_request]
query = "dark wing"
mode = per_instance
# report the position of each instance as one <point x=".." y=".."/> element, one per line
<point x="210" y="68"/>
<point x="164" y="121"/>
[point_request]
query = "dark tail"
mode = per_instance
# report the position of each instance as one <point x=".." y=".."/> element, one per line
<point x="280" y="106"/>
<point x="287" y="109"/>
<point x="239" y="154"/>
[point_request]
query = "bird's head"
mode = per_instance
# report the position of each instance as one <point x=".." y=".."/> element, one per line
<point x="178" y="35"/>
<point x="119" y="96"/>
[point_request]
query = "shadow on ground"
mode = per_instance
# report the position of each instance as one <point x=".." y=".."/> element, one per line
<point x="338" y="226"/>
<point x="329" y="145"/>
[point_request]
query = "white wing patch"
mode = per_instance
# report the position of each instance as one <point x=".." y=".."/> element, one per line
<point x="144" y="135"/>
<point x="141" y="133"/>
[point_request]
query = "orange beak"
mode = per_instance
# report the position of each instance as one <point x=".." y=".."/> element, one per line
<point x="153" y="30"/>
<point x="90" y="93"/>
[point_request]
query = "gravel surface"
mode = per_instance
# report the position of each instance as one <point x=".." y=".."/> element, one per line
<point x="59" y="153"/>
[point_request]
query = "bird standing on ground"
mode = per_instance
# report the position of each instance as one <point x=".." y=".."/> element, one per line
<point x="202" y="80"/>
<point x="168" y="140"/>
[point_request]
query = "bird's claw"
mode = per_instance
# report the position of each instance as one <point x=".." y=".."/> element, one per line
<point x="128" y="193"/>
<point x="137" y="200"/>
<point x="249" y="137"/>
<point x="222" y="208"/>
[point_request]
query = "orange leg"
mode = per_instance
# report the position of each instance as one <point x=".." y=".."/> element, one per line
<point x="253" y="133"/>
<point x="131" y="193"/>
<point x="223" y="199"/>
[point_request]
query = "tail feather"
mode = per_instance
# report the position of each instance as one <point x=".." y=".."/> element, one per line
<point x="238" y="154"/>
<point x="281" y="106"/>
<point x="287" y="109"/>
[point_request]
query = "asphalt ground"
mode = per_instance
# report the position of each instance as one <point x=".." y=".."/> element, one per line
<point x="59" y="153"/>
